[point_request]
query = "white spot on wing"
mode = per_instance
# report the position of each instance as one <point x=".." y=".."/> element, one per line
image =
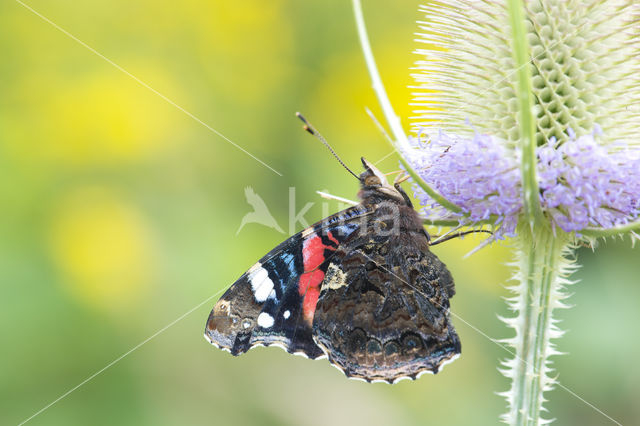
<point x="254" y="268"/>
<point x="286" y="314"/>
<point x="265" y="320"/>
<point x="261" y="284"/>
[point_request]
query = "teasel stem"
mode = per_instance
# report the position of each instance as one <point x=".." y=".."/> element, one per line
<point x="542" y="266"/>
<point x="540" y="261"/>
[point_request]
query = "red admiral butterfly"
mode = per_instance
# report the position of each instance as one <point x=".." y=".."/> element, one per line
<point x="360" y="287"/>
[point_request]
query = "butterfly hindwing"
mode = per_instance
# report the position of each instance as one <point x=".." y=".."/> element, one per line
<point x="383" y="313"/>
<point x="274" y="301"/>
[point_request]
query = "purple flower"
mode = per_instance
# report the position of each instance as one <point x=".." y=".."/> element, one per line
<point x="582" y="182"/>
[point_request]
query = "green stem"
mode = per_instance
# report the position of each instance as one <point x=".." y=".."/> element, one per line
<point x="400" y="143"/>
<point x="526" y="123"/>
<point x="611" y="232"/>
<point x="542" y="270"/>
<point x="376" y="81"/>
<point x="540" y="257"/>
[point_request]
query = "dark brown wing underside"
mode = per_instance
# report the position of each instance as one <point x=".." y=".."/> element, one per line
<point x="383" y="312"/>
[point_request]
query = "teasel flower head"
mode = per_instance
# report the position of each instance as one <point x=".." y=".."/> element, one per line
<point x="584" y="67"/>
<point x="526" y="120"/>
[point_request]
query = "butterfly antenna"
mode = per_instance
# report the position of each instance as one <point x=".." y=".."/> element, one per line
<point x="312" y="130"/>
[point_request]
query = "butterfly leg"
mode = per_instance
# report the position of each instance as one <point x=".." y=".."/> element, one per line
<point x="443" y="238"/>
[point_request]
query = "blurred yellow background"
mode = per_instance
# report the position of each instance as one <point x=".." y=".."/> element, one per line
<point x="119" y="214"/>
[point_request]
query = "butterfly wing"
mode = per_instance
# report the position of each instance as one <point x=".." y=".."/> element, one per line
<point x="273" y="303"/>
<point x="383" y="311"/>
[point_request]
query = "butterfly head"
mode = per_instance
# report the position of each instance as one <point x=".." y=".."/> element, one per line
<point x="374" y="183"/>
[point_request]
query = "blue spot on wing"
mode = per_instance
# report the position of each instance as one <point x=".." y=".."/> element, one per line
<point x="281" y="269"/>
<point x="288" y="259"/>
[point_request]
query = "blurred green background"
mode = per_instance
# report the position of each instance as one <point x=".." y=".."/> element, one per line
<point x="119" y="214"/>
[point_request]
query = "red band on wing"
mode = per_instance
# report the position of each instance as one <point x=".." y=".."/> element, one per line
<point x="332" y="238"/>
<point x="309" y="285"/>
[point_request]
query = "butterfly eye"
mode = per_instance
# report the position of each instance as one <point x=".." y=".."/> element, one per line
<point x="372" y="181"/>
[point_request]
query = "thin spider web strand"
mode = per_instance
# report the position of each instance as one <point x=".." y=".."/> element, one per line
<point x="142" y="83"/>
<point x="115" y="361"/>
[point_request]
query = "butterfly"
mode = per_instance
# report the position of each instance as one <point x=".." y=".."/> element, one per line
<point x="360" y="287"/>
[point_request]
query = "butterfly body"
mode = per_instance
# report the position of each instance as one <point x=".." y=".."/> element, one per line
<point x="361" y="287"/>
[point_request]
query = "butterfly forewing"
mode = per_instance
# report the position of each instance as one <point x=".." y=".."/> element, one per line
<point x="274" y="301"/>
